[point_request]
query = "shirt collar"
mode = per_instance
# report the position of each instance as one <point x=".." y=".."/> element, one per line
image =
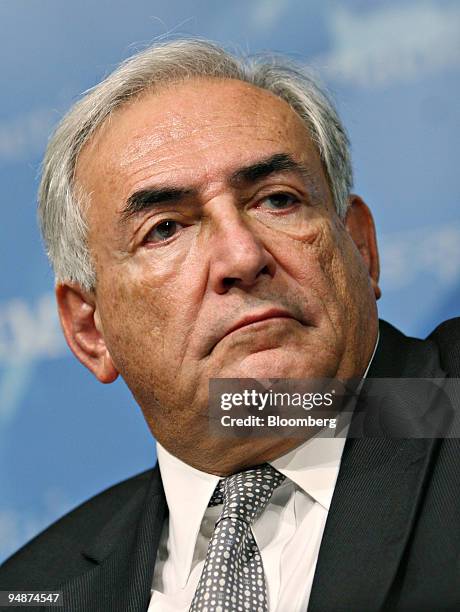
<point x="313" y="466"/>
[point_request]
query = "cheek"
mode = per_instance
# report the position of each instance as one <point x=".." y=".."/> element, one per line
<point x="313" y="260"/>
<point x="147" y="314"/>
<point x="324" y="264"/>
<point x="132" y="318"/>
<point x="351" y="280"/>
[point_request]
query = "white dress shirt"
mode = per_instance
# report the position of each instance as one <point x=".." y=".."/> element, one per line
<point x="288" y="532"/>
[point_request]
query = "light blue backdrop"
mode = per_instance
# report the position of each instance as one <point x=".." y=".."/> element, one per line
<point x="393" y="67"/>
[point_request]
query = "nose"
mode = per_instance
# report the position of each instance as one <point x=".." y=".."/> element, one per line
<point x="238" y="257"/>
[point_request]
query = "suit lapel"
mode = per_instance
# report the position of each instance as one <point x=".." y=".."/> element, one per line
<point x="372" y="511"/>
<point x="377" y="494"/>
<point x="124" y="556"/>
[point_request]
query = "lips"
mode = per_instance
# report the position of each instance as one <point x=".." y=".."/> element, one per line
<point x="250" y="319"/>
<point x="272" y="313"/>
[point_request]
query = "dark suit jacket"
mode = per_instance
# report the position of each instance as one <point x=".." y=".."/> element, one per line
<point x="391" y="541"/>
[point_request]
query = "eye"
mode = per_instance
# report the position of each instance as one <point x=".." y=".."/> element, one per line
<point x="279" y="201"/>
<point x="163" y="231"/>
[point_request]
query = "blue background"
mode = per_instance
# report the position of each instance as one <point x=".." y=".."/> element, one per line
<point x="392" y="67"/>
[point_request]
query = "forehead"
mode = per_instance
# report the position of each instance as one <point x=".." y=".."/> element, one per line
<point x="195" y="132"/>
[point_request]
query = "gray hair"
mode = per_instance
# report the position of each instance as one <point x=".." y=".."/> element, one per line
<point x="62" y="206"/>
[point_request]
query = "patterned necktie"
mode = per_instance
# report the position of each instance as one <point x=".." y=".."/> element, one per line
<point x="233" y="576"/>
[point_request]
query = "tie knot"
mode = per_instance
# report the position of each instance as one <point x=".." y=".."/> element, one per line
<point x="245" y="494"/>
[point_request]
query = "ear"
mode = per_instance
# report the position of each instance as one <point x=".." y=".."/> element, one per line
<point x="83" y="330"/>
<point x="360" y="225"/>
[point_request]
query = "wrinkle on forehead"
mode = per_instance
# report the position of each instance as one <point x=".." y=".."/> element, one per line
<point x="168" y="158"/>
<point x="170" y="134"/>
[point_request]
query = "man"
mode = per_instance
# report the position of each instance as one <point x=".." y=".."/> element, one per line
<point x="198" y="214"/>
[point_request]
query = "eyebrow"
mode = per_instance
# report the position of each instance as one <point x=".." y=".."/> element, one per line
<point x="146" y="199"/>
<point x="280" y="162"/>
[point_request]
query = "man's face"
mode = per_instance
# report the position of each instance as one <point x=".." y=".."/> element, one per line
<point x="218" y="253"/>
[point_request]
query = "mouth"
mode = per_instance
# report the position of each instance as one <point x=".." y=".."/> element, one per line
<point x="273" y="313"/>
<point x="254" y="318"/>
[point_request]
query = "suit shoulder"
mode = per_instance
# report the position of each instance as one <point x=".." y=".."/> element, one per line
<point x="447" y="338"/>
<point x="447" y="332"/>
<point x="56" y="551"/>
<point x="399" y="355"/>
